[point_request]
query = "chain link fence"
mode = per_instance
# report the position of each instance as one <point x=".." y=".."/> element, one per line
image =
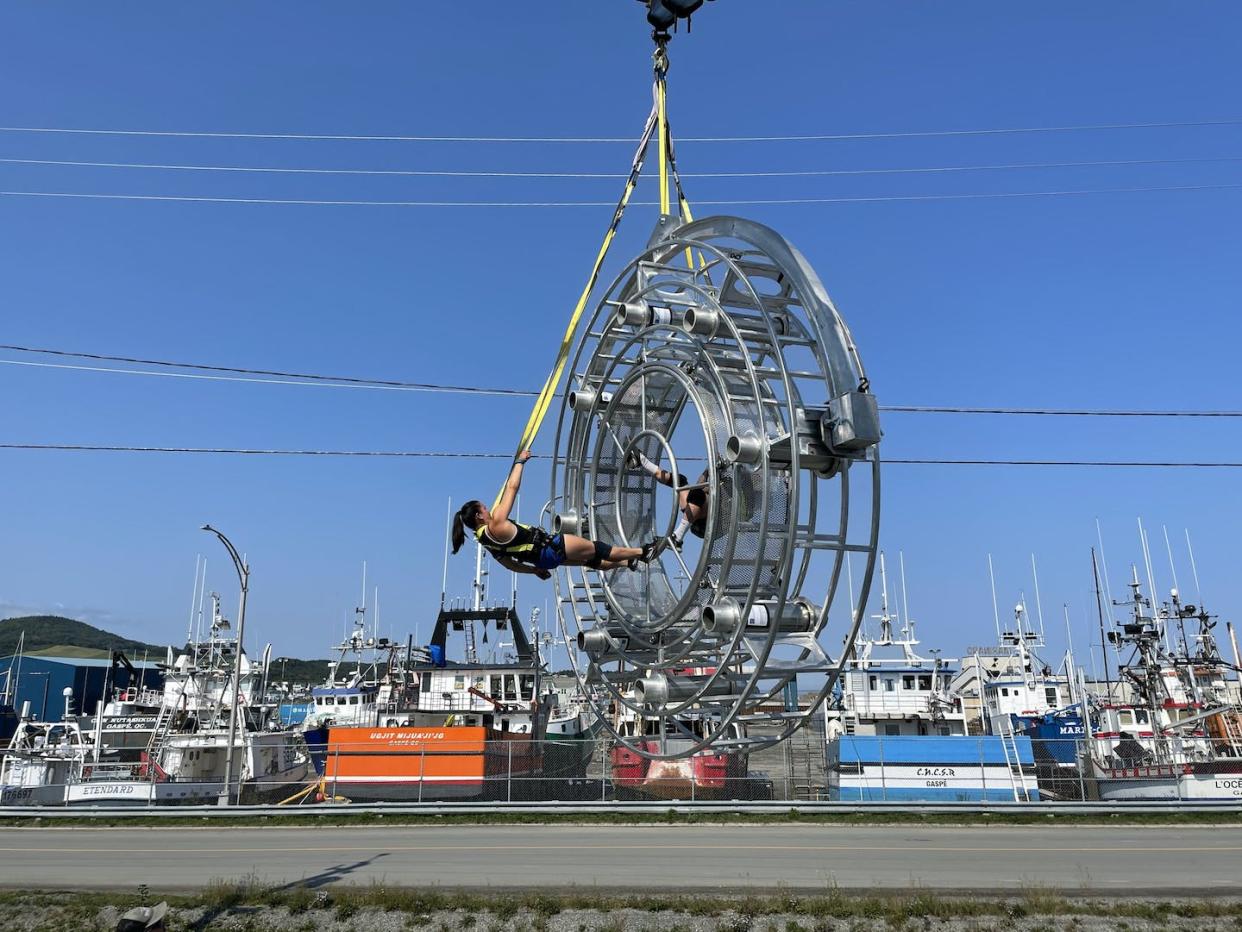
<point x="394" y="765"/>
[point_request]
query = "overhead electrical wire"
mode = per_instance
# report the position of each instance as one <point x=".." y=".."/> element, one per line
<point x="794" y="137"/>
<point x="283" y="377"/>
<point x="792" y="173"/>
<point x="890" y="198"/>
<point x="439" y="454"/>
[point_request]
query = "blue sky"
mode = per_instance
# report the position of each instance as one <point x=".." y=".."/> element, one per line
<point x="1105" y="300"/>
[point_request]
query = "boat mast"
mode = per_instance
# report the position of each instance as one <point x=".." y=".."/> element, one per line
<point x="1039" y="608"/>
<point x="1193" y="569"/>
<point x="1151" y="581"/>
<point x="1099" y="606"/>
<point x="1069" y="656"/>
<point x="444" y="576"/>
<point x="995" y="610"/>
<point x="360" y="625"/>
<point x="189" y="634"/>
<point x="202" y="594"/>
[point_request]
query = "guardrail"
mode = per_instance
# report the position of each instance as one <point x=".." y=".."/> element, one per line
<point x="782" y="807"/>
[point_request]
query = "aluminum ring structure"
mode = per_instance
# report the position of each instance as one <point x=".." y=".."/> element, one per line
<point x="718" y="356"/>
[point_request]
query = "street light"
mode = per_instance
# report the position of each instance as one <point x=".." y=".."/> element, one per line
<point x="243" y="577"/>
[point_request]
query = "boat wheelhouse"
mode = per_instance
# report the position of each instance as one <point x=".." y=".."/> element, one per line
<point x="447" y="730"/>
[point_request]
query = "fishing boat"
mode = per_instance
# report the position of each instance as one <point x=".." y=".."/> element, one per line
<point x="888" y="688"/>
<point x="1180" y="737"/>
<point x="204" y="710"/>
<point x="711" y="773"/>
<point x="129" y="714"/>
<point x="431" y="729"/>
<point x="572" y="732"/>
<point x="897" y="729"/>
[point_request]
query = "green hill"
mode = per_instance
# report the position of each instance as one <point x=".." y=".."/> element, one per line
<point x="55" y="636"/>
<point x="48" y="631"/>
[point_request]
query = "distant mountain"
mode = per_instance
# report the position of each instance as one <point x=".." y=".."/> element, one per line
<point x="55" y="636"/>
<point x="47" y="631"/>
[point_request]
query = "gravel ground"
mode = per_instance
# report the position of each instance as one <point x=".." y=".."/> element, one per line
<point x="47" y="916"/>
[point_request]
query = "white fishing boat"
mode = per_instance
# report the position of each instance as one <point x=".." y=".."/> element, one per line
<point x="1181" y="736"/>
<point x="897" y="730"/>
<point x="206" y="699"/>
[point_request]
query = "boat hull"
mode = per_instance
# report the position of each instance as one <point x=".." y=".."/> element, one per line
<point x="404" y="764"/>
<point x="703" y="776"/>
<point x="1190" y="782"/>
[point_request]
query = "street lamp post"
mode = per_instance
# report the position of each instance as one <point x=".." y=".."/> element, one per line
<point x="243" y="576"/>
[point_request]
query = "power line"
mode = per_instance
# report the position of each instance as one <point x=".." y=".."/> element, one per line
<point x="310" y="202"/>
<point x="331" y="381"/>
<point x="425" y="454"/>
<point x="311" y="381"/>
<point x="810" y="137"/>
<point x="301" y="377"/>
<point x="1054" y="412"/>
<point x="793" y="173"/>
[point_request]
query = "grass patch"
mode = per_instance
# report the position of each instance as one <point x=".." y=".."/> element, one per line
<point x="486" y="910"/>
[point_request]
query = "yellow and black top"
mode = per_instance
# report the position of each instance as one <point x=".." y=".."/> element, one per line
<point x="525" y="545"/>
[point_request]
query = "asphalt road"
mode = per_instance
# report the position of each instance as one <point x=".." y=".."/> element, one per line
<point x="1156" y="860"/>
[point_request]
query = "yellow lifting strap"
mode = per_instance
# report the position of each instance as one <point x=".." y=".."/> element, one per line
<point x="657" y="124"/>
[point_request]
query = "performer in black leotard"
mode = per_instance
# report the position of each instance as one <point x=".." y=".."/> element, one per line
<point x="525" y="548"/>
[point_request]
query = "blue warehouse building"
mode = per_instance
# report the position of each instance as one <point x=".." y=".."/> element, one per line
<point x="42" y="681"/>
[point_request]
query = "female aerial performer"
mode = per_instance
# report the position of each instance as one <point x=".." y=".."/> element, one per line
<point x="524" y="548"/>
<point x="692" y="500"/>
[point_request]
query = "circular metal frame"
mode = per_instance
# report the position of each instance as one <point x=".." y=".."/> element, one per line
<point x="720" y="322"/>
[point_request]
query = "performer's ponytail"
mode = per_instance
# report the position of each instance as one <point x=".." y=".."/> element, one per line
<point x="466" y="517"/>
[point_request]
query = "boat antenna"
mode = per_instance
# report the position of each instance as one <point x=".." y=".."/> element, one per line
<point x="905" y="601"/>
<point x="1099" y="607"/>
<point x="189" y="633"/>
<point x="12" y="684"/>
<point x="1039" y="608"/>
<point x="1169" y="549"/>
<point x="1069" y="652"/>
<point x="1108" y="588"/>
<point x="202" y="594"/>
<point x="886" y="620"/>
<point x="478" y="578"/>
<point x="444" y="576"/>
<point x="995" y="610"/>
<point x="1193" y="569"/>
<point x="849" y="581"/>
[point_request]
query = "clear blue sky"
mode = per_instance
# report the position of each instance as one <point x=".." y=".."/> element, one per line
<point x="1107" y="300"/>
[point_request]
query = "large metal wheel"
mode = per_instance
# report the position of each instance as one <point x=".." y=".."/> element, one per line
<point x="718" y="354"/>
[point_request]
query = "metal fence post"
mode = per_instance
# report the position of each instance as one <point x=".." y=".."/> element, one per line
<point x="883" y="776"/>
<point x="1176" y="768"/>
<point x="788" y="772"/>
<point x="422" y="772"/>
<point x="1080" y="759"/>
<point x="336" y="768"/>
<point x="983" y="768"/>
<point x="509" y="778"/>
